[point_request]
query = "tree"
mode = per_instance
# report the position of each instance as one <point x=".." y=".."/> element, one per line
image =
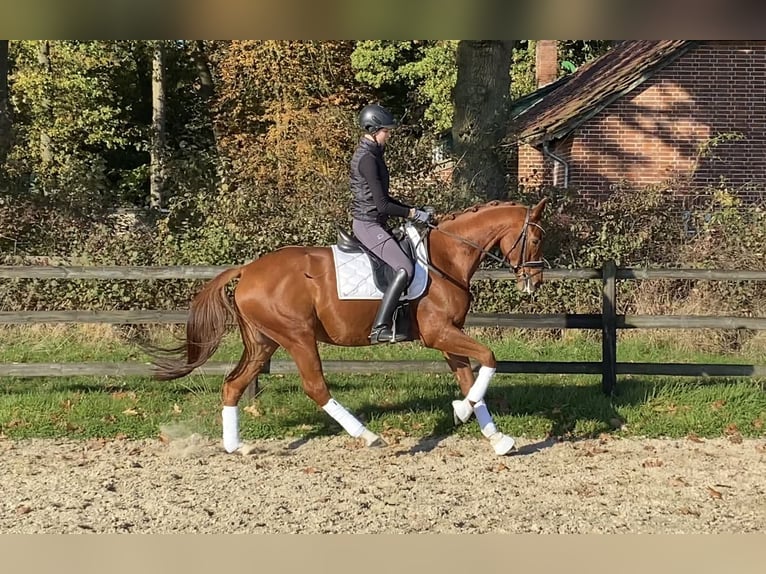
<point x="44" y="59"/>
<point x="206" y="92"/>
<point x="5" y="111"/>
<point x="481" y="97"/>
<point x="412" y="76"/>
<point x="158" y="135"/>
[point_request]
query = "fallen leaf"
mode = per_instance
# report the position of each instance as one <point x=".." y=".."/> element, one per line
<point x="717" y="405"/>
<point x="453" y="452"/>
<point x="714" y="493"/>
<point x="758" y="424"/>
<point x="670" y="409"/>
<point x="23" y="509"/>
<point x="731" y="429"/>
<point x="652" y="462"/>
<point x="735" y="438"/>
<point x="694" y="438"/>
<point x="253" y="410"/>
<point x="585" y="490"/>
<point x="96" y="444"/>
<point x="499" y="467"/>
<point x="176" y="408"/>
<point x="678" y="481"/>
<point x="393" y="433"/>
<point x="130" y="412"/>
<point x="311" y="470"/>
<point x="761" y="447"/>
<point x="688" y="511"/>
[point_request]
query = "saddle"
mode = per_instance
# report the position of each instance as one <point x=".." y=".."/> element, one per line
<point x="382" y="272"/>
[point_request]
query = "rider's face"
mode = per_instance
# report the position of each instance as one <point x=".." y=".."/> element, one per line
<point x="382" y="135"/>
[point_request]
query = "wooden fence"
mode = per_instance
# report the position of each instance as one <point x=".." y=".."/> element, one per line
<point x="608" y="322"/>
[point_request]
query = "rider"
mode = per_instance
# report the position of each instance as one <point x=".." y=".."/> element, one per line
<point x="371" y="207"/>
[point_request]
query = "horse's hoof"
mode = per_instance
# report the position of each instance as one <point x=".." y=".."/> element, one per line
<point x="501" y="443"/>
<point x="231" y="449"/>
<point x="461" y="411"/>
<point x="372" y="440"/>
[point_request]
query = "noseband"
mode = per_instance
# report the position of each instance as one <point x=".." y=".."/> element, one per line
<point x="505" y="262"/>
<point x="522" y="239"/>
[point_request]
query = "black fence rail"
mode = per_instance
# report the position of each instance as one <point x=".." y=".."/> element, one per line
<point x="609" y="322"/>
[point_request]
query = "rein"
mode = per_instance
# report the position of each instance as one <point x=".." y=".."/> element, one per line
<point x="522" y="238"/>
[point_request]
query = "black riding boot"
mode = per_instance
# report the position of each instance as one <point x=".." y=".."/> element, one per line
<point x="381" y="327"/>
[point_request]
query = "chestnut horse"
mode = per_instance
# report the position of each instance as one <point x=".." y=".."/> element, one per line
<point x="289" y="298"/>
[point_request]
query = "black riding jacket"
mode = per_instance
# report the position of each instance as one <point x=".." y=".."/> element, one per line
<point x="369" y="186"/>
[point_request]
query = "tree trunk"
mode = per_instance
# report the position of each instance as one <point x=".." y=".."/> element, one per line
<point x="199" y="53"/>
<point x="158" y="135"/>
<point x="5" y="109"/>
<point x="481" y="98"/>
<point x="207" y="95"/>
<point x="46" y="147"/>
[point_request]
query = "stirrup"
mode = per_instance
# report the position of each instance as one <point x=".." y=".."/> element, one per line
<point x="384" y="334"/>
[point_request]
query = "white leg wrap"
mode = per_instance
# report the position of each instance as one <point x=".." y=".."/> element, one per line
<point x="230" y="417"/>
<point x="462" y="411"/>
<point x="502" y="444"/>
<point x="480" y="385"/>
<point x="344" y="418"/>
<point x="484" y="419"/>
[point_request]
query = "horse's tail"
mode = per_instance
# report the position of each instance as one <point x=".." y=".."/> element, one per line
<point x="210" y="313"/>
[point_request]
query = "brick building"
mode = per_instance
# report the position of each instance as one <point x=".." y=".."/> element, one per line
<point x="640" y="114"/>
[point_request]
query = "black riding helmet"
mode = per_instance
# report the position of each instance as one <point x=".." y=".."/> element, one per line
<point x="374" y="117"/>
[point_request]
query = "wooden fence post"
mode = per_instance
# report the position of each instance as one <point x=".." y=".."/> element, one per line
<point x="609" y="328"/>
<point x="251" y="391"/>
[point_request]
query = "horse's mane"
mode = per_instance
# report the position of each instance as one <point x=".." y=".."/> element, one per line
<point x="473" y="209"/>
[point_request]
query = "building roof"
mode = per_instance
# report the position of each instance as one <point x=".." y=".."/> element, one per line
<point x="553" y="111"/>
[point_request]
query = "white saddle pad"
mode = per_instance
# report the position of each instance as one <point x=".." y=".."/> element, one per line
<point x="353" y="272"/>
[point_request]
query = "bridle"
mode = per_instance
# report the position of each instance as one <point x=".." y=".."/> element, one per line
<point x="504" y="261"/>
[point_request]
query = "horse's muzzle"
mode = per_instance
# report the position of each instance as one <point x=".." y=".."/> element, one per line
<point x="529" y="282"/>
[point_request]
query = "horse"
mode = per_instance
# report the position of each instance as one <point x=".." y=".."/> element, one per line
<point x="288" y="298"/>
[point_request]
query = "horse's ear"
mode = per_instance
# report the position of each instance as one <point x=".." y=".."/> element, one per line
<point x="537" y="210"/>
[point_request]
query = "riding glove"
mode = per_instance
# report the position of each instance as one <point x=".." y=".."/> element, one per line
<point x="421" y="216"/>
